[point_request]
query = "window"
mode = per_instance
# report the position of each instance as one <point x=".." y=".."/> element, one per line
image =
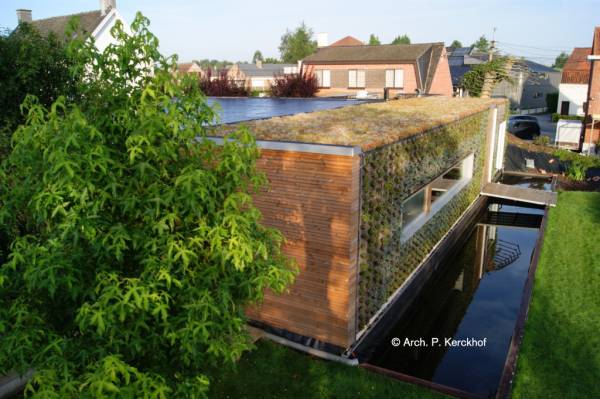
<point x="394" y="78"/>
<point x="422" y="205"/>
<point x="323" y="77"/>
<point x="356" y="78"/>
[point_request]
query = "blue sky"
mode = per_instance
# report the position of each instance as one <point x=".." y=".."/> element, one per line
<point x="234" y="29"/>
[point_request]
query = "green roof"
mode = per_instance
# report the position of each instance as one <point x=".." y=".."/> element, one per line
<point x="366" y="125"/>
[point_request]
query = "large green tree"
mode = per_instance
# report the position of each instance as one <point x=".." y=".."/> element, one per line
<point x="560" y="60"/>
<point x="402" y="39"/>
<point x="29" y="64"/>
<point x="135" y="245"/>
<point x="374" y="40"/>
<point x="257" y="57"/>
<point x="456" y="44"/>
<point x="297" y="44"/>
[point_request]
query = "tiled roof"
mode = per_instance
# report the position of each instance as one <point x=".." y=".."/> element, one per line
<point x="347" y="41"/>
<point x="425" y="55"/>
<point x="267" y="70"/>
<point x="369" y="125"/>
<point x="88" y="21"/>
<point x="577" y="67"/>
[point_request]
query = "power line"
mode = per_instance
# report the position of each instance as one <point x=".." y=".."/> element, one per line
<point x="532" y="47"/>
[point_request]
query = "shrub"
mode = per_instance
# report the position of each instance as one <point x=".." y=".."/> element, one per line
<point x="577" y="164"/>
<point x="30" y="64"/>
<point x="541" y="140"/>
<point x="222" y="85"/>
<point x="556" y="117"/>
<point x="135" y="243"/>
<point x="302" y="84"/>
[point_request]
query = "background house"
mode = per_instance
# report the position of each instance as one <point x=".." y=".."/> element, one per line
<point x="531" y="81"/>
<point x="591" y="136"/>
<point x="97" y="23"/>
<point x="259" y="76"/>
<point x="404" y="69"/>
<point x="573" y="89"/>
<point x="190" y="68"/>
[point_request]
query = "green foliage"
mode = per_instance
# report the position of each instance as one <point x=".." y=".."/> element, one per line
<point x="482" y="44"/>
<point x="272" y="60"/>
<point x="497" y="70"/>
<point x="374" y="40"/>
<point x="257" y="57"/>
<point x="390" y="175"/>
<point x="29" y="64"/>
<point x="560" y="60"/>
<point x="552" y="101"/>
<point x="541" y="140"/>
<point x="214" y="65"/>
<point x="456" y="44"/>
<point x="297" y="44"/>
<point x="402" y="39"/>
<point x="556" y="117"/>
<point x="577" y="164"/>
<point x="135" y="243"/>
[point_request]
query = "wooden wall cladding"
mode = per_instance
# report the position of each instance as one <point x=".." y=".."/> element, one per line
<point x="313" y="199"/>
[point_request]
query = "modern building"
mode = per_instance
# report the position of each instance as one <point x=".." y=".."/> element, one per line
<point x="96" y="23"/>
<point x="574" y="83"/>
<point x="527" y="91"/>
<point x="351" y="69"/>
<point x="259" y="76"/>
<point x="362" y="194"/>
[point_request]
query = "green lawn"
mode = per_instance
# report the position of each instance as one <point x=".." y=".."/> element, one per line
<point x="273" y="371"/>
<point x="560" y="355"/>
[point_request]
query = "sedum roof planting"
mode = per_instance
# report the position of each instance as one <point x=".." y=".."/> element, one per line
<point x="366" y="125"/>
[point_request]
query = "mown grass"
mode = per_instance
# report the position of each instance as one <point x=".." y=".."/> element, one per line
<point x="560" y="354"/>
<point x="274" y="371"/>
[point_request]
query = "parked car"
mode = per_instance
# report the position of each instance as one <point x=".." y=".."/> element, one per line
<point x="524" y="126"/>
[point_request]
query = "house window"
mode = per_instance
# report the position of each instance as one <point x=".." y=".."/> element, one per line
<point x="394" y="78"/>
<point x="356" y="78"/>
<point x="323" y="77"/>
<point x="420" y="207"/>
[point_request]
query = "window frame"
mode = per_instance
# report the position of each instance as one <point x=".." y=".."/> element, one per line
<point x="432" y="206"/>
<point x="321" y="81"/>
<point x="356" y="72"/>
<point x="395" y="73"/>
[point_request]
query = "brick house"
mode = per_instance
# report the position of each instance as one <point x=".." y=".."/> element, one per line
<point x="190" y="68"/>
<point x="259" y="76"/>
<point x="591" y="136"/>
<point x="573" y="88"/>
<point x="402" y="69"/>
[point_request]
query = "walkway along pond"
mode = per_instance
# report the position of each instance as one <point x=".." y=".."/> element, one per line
<point x="458" y="330"/>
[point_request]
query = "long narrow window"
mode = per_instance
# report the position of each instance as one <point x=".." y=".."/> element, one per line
<point x="423" y="204"/>
<point x="356" y="78"/>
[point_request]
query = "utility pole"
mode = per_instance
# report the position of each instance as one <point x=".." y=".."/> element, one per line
<point x="493" y="46"/>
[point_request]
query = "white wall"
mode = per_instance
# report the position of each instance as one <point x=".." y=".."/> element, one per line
<point x="102" y="32"/>
<point x="576" y="94"/>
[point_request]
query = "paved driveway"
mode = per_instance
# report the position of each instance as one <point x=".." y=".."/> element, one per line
<point x="547" y="127"/>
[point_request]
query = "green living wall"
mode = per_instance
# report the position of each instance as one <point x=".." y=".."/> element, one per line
<point x="390" y="175"/>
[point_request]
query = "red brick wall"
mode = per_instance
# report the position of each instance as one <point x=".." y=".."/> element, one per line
<point x="592" y="133"/>
<point x="442" y="81"/>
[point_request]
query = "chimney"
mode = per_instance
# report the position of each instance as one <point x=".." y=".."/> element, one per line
<point x="107" y="5"/>
<point x="322" y="40"/>
<point x="24" y="15"/>
<point x="259" y="64"/>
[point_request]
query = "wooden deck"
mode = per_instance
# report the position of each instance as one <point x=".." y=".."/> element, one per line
<point x="532" y="196"/>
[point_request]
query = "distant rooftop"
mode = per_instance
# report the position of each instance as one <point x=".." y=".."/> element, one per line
<point x="577" y="68"/>
<point x="368" y="125"/>
<point x="88" y="22"/>
<point x="347" y="41"/>
<point x="266" y="70"/>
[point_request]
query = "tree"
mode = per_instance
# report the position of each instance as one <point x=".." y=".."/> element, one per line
<point x="560" y="60"/>
<point x="374" y="40"/>
<point x="29" y="64"/>
<point x="482" y="44"/>
<point x="456" y="44"/>
<point x="136" y="246"/>
<point x="297" y="44"/>
<point x="257" y="57"/>
<point x="272" y="60"/>
<point x="482" y="78"/>
<point x="404" y="39"/>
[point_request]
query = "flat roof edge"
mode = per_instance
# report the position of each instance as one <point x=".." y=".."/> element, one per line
<point x="314" y="148"/>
